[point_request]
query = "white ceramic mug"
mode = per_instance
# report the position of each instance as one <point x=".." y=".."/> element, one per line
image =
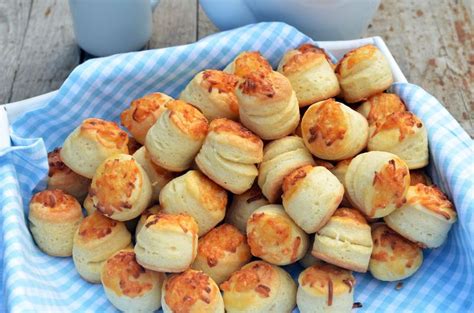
<point x="319" y="19"/>
<point x="106" y="27"/>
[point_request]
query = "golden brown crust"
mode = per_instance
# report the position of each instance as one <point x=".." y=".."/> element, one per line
<point x="250" y="62"/>
<point x="56" y="165"/>
<point x="182" y="291"/>
<point x="328" y="280"/>
<point x="390" y="246"/>
<point x="294" y="178"/>
<point x="55" y="205"/>
<point x="382" y="105"/>
<point x="133" y="145"/>
<point x="211" y="194"/>
<point x="114" y="186"/>
<point x="125" y="276"/>
<point x="306" y="55"/>
<point x="432" y="198"/>
<point x="257" y="276"/>
<point x="219" y="241"/>
<point x="143" y="108"/>
<point x="257" y="84"/>
<point x="405" y="122"/>
<point x="352" y="214"/>
<point x="355" y="56"/>
<point x="184" y="221"/>
<point x="188" y="119"/>
<point x="390" y="185"/>
<point x="96" y="226"/>
<point x="419" y="177"/>
<point x="107" y="133"/>
<point x="224" y="125"/>
<point x="327" y="123"/>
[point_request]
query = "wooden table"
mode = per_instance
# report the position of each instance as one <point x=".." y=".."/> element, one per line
<point x="433" y="41"/>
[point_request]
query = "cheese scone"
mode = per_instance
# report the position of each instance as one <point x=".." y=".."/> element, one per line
<point x="339" y="170"/>
<point x="143" y="113"/>
<point x="144" y="216"/>
<point x="91" y="143"/>
<point x="213" y="92"/>
<point x="379" y="106"/>
<point x="311" y="74"/>
<point x="248" y="62"/>
<point x="425" y="218"/>
<point x="363" y="72"/>
<point x="377" y="183"/>
<point x="333" y="131"/>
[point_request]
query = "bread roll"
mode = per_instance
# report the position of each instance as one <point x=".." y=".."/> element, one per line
<point x="54" y="217"/>
<point x="213" y="92"/>
<point x="196" y="195"/>
<point x="425" y="218"/>
<point x="325" y="288"/>
<point x="310" y="196"/>
<point x="281" y="157"/>
<point x="221" y="252"/>
<point x="259" y="287"/>
<point x="176" y="137"/>
<point x="62" y="177"/>
<point x="345" y="241"/>
<point x="419" y="177"/>
<point x="129" y="286"/>
<point x="274" y="237"/>
<point x="91" y="143"/>
<point x="363" y="72"/>
<point x="89" y="205"/>
<point x="157" y="175"/>
<point x="379" y="106"/>
<point x="144" y="216"/>
<point x="143" y="113"/>
<point x="339" y="170"/>
<point x="191" y="291"/>
<point x="333" y="131"/>
<point x="120" y="188"/>
<point x="268" y="105"/>
<point x="311" y="74"/>
<point x="377" y="183"/>
<point x="229" y="154"/>
<point x="167" y="242"/>
<point x="403" y="134"/>
<point x="242" y="206"/>
<point x="248" y="62"/>
<point x="393" y="257"/>
<point x="97" y="238"/>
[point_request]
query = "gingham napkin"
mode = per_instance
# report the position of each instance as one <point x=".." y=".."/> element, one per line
<point x="33" y="281"/>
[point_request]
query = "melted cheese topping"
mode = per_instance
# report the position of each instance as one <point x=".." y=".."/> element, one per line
<point x="55" y="204"/>
<point x="187" y="118"/>
<point x="305" y="55"/>
<point x="390" y="184"/>
<point x="382" y="105"/>
<point x="356" y="56"/>
<point x="105" y="132"/>
<point x="405" y="122"/>
<point x="250" y="62"/>
<point x="328" y="124"/>
<point x="327" y="279"/>
<point x="433" y="199"/>
<point x="96" y="226"/>
<point x="256" y="277"/>
<point x="183" y="221"/>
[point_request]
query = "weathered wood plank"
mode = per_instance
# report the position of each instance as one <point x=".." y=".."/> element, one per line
<point x="433" y="41"/>
<point x="205" y="26"/>
<point x="48" y="53"/>
<point x="13" y="24"/>
<point x="175" y="23"/>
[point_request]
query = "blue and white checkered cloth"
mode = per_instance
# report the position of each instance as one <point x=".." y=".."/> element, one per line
<point x="33" y="281"/>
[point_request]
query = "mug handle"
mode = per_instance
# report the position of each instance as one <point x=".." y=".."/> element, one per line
<point x="153" y="4"/>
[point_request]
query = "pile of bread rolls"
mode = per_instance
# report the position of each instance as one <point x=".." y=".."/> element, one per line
<point x="197" y="206"/>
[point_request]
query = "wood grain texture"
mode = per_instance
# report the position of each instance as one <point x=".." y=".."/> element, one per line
<point x="205" y="26"/>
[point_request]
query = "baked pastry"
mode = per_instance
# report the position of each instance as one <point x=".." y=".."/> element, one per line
<point x="196" y="195"/>
<point x="363" y="72"/>
<point x="221" y="252"/>
<point x="144" y="216"/>
<point x="268" y="105"/>
<point x="157" y="175"/>
<point x="133" y="145"/>
<point x="393" y="257"/>
<point x="345" y="241"/>
<point x="176" y="137"/>
<point x="425" y="218"/>
<point x="229" y="154"/>
<point x="325" y="288"/>
<point x="339" y="170"/>
<point x="97" y="238"/>
<point x="281" y="157"/>
<point x="167" y="242"/>
<point x="311" y="74"/>
<point x="120" y="188"/>
<point x="259" y="287"/>
<point x="129" y="286"/>
<point x="403" y="134"/>
<point x="419" y="177"/>
<point x="191" y="291"/>
<point x="242" y="206"/>
<point x="274" y="237"/>
<point x="54" y="217"/>
<point x="62" y="177"/>
<point x="89" y="205"/>
<point x="379" y="106"/>
<point x="143" y="113"/>
<point x="213" y="92"/>
<point x="377" y="183"/>
<point x="248" y="62"/>
<point x="91" y="143"/>
<point x="333" y="131"/>
<point x="311" y="194"/>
